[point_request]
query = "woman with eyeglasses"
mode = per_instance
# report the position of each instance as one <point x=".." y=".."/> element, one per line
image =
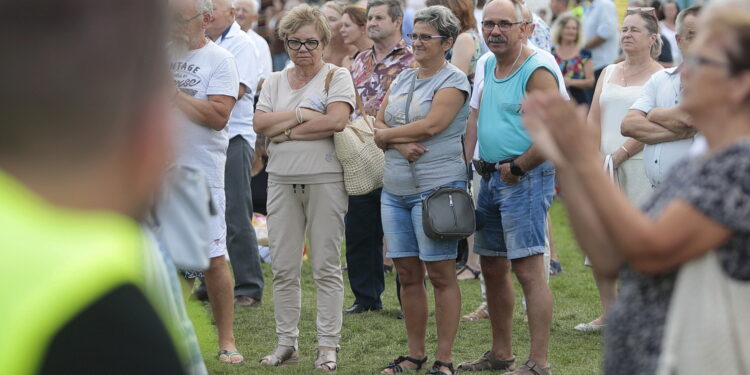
<point x="420" y="125"/>
<point x="468" y="47"/>
<point x="621" y="85"/>
<point x="700" y="212"/>
<point x="299" y="110"/>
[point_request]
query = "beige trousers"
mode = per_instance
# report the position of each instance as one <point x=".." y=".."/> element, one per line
<point x="319" y="210"/>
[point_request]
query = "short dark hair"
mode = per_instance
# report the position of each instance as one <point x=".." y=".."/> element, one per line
<point x="78" y="75"/>
<point x="694" y="11"/>
<point x="394" y="8"/>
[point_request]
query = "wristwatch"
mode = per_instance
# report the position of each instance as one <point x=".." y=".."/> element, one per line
<point x="516" y="170"/>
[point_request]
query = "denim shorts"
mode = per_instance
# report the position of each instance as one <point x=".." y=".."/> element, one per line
<point x="402" y="226"/>
<point x="511" y="219"/>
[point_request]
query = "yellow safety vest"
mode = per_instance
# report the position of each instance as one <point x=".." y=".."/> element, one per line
<point x="55" y="262"/>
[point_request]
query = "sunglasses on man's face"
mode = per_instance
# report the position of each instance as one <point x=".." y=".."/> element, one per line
<point x="295" y="44"/>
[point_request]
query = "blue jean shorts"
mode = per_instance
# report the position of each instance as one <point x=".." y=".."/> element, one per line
<point x="512" y="219"/>
<point x="402" y="227"/>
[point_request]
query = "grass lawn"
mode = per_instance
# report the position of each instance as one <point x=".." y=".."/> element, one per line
<point x="370" y="340"/>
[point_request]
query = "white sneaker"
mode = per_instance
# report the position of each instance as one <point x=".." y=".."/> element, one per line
<point x="589" y="327"/>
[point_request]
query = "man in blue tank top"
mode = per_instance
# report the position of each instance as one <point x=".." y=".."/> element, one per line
<point x="515" y="192"/>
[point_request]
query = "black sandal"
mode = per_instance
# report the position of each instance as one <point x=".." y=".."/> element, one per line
<point x="435" y="370"/>
<point x="395" y="366"/>
<point x="474" y="272"/>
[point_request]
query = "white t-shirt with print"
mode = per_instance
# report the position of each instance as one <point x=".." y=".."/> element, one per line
<point x="209" y="70"/>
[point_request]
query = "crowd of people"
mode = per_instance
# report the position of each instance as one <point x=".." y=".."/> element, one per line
<point x="639" y="125"/>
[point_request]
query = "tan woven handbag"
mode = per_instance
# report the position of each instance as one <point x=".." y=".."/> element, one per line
<point x="360" y="158"/>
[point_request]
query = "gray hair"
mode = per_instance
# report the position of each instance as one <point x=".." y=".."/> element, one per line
<point x="517" y="6"/>
<point x="204" y="6"/>
<point x="394" y="8"/>
<point x="441" y="18"/>
<point x="694" y="10"/>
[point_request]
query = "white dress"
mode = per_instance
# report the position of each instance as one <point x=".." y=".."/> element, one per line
<point x="614" y="102"/>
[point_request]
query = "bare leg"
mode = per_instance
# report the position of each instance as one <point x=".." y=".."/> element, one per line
<point x="414" y="299"/>
<point x="500" y="300"/>
<point x="447" y="306"/>
<point x="220" y="287"/>
<point x="607" y="293"/>
<point x="530" y="273"/>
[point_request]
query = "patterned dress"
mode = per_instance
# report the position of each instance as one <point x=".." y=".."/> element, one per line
<point x="574" y="69"/>
<point x="718" y="186"/>
<point x="373" y="78"/>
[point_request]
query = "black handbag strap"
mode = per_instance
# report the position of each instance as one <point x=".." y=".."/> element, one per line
<point x="413" y="164"/>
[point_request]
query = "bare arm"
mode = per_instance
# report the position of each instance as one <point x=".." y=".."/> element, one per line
<point x="674" y="119"/>
<point x="322" y="126"/>
<point x="636" y="125"/>
<point x="595" y="42"/>
<point x="470" y="140"/>
<point x="272" y="124"/>
<point x="541" y="80"/>
<point x="212" y="113"/>
<point x="679" y="234"/>
<point x="445" y="105"/>
<point x="463" y="50"/>
<point x="594" y="120"/>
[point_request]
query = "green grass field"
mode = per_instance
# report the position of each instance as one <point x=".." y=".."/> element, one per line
<point x="370" y="340"/>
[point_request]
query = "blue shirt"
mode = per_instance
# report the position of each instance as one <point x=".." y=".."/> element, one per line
<point x="500" y="131"/>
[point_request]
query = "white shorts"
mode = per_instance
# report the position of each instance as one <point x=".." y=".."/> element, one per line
<point x="218" y="246"/>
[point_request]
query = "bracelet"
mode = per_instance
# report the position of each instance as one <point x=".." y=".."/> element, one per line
<point x="626" y="150"/>
<point x="298" y="115"/>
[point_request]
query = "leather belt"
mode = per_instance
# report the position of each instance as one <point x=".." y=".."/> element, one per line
<point x="485" y="168"/>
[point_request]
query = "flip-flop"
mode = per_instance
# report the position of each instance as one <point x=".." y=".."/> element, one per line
<point x="229" y="354"/>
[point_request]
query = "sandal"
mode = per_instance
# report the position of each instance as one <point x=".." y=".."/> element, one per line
<point x="396" y="367"/>
<point x="327" y="360"/>
<point x="283" y="355"/>
<point x="435" y="370"/>
<point x="474" y="272"/>
<point x="228" y="354"/>
<point x="488" y="361"/>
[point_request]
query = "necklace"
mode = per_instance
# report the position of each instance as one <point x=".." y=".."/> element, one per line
<point x="512" y="65"/>
<point x="625" y="73"/>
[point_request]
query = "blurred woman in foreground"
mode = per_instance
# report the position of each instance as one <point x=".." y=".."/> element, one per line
<point x="703" y="207"/>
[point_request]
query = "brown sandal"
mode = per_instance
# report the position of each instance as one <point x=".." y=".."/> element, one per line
<point x="488" y="361"/>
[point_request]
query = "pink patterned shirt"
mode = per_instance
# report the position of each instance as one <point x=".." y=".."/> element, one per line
<point x="372" y="78"/>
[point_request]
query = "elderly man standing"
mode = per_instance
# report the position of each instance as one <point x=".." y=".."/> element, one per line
<point x="515" y="191"/>
<point x="241" y="242"/>
<point x="373" y="71"/>
<point x="655" y="118"/>
<point x="246" y="14"/>
<point x="208" y="86"/>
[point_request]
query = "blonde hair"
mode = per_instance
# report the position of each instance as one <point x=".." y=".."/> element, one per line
<point x="302" y="15"/>
<point x="559" y="25"/>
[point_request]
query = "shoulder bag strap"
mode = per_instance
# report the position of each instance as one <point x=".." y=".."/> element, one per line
<point x="412" y="164"/>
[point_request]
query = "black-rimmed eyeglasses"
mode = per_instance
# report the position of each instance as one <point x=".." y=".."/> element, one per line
<point x="309" y="44"/>
<point x="503" y="25"/>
